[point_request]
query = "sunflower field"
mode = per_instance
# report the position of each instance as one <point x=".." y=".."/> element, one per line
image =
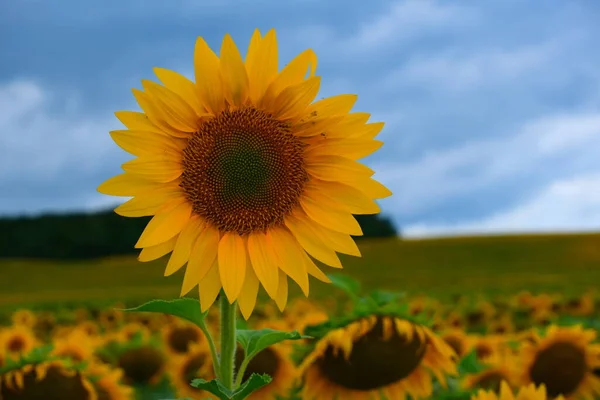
<point x="379" y="344"/>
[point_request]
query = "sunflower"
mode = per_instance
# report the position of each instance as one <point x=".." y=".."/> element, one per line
<point x="110" y="319"/>
<point x="90" y="328"/>
<point x="529" y="392"/>
<point x="107" y="382"/>
<point x="501" y="325"/>
<point x="179" y="336"/>
<point x="49" y="380"/>
<point x="76" y="346"/>
<point x="563" y="360"/>
<point x="458" y="340"/>
<point x="581" y="306"/>
<point x="275" y="362"/>
<point x="487" y="346"/>
<point x="376" y="355"/>
<point x="142" y="365"/>
<point x="502" y="367"/>
<point x="195" y="364"/>
<point x="17" y="340"/>
<point x="23" y="317"/>
<point x="243" y="174"/>
<point x="132" y="330"/>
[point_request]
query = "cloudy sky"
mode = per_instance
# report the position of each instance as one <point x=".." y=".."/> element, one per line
<point x="492" y="108"/>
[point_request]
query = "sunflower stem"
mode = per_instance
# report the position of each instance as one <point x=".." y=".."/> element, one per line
<point x="213" y="348"/>
<point x="228" y="343"/>
<point x="240" y="374"/>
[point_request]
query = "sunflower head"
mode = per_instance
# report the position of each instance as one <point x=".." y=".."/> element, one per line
<point x="76" y="346"/>
<point x="563" y="360"/>
<point x="245" y="176"/>
<point x="106" y="381"/>
<point x="142" y="364"/>
<point x="196" y="363"/>
<point x="458" y="340"/>
<point x="17" y="340"/>
<point x="178" y="337"/>
<point x="24" y="317"/>
<point x="375" y="354"/>
<point x="51" y="380"/>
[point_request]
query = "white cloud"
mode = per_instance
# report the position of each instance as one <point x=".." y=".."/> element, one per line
<point x="407" y="19"/>
<point x="38" y="144"/>
<point x="538" y="146"/>
<point x="563" y="206"/>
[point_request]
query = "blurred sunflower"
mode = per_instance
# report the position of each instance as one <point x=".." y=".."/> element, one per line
<point x="110" y="318"/>
<point x="44" y="324"/>
<point x="90" y="328"/>
<point x="525" y="393"/>
<point x="197" y="363"/>
<point x="502" y="367"/>
<point x="458" y="340"/>
<point x="23" y="317"/>
<point x="17" y="340"/>
<point x="179" y="336"/>
<point x="455" y="320"/>
<point x="487" y="346"/>
<point x="142" y="365"/>
<point x="274" y="361"/>
<point x="81" y="315"/>
<point x="107" y="382"/>
<point x="374" y="355"/>
<point x="50" y="380"/>
<point x="501" y="325"/>
<point x="562" y="360"/>
<point x="132" y="330"/>
<point x="76" y="346"/>
<point x="244" y="174"/>
<point x="581" y="306"/>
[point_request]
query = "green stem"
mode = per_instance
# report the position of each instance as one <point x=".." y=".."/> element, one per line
<point x="240" y="373"/>
<point x="228" y="343"/>
<point x="213" y="348"/>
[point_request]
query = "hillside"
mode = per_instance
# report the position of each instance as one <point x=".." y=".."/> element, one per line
<point x="563" y="263"/>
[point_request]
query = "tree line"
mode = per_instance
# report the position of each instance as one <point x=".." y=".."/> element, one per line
<point x="100" y="234"/>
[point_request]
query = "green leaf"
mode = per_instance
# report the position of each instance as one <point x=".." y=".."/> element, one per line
<point x="469" y="364"/>
<point x="254" y="342"/>
<point x="215" y="387"/>
<point x="252" y="384"/>
<point x="185" y="308"/>
<point x="347" y="284"/>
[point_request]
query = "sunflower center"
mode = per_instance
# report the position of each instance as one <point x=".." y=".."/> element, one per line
<point x="265" y="362"/>
<point x="141" y="364"/>
<point x="374" y="361"/>
<point x="243" y="171"/>
<point x="456" y="344"/>
<point x="54" y="386"/>
<point x="16" y="344"/>
<point x="483" y="350"/>
<point x="181" y="338"/>
<point x="561" y="367"/>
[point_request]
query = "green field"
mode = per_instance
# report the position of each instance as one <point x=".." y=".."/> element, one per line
<point x="567" y="264"/>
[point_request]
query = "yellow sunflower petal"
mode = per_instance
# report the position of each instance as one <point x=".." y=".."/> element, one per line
<point x="126" y="185"/>
<point x="336" y="195"/>
<point x="292" y="74"/>
<point x="331" y="106"/>
<point x="208" y="77"/>
<point x="233" y="71"/>
<point x="149" y="202"/>
<point x="177" y="112"/>
<point x="202" y="256"/>
<point x="137" y="121"/>
<point x="336" y="168"/>
<point x="183" y="248"/>
<point x="340" y="221"/>
<point x="313" y="270"/>
<point x="183" y="87"/>
<point x="157" y="251"/>
<point x="161" y="168"/>
<point x="369" y="186"/>
<point x="143" y="143"/>
<point x="155" y="114"/>
<point x="311" y="243"/>
<point x="262" y="63"/>
<point x="247" y="297"/>
<point x="289" y="254"/>
<point x="352" y="149"/>
<point x="264" y="262"/>
<point x="165" y="225"/>
<point x="232" y="264"/>
<point x="294" y="99"/>
<point x="282" y="291"/>
<point x="209" y="287"/>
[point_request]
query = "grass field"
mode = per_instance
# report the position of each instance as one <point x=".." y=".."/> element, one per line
<point x="493" y="265"/>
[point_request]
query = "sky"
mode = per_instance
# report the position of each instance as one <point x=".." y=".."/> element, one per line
<point x="492" y="108"/>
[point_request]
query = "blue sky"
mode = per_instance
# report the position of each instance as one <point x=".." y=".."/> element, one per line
<point x="492" y="108"/>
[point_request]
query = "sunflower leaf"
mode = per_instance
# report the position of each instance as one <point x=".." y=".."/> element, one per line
<point x="185" y="308"/>
<point x="470" y="364"/>
<point x="215" y="387"/>
<point x="255" y="382"/>
<point x="347" y="284"/>
<point x="254" y="342"/>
